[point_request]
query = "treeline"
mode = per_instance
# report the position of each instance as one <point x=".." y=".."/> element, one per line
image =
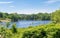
<point x="16" y="17"/>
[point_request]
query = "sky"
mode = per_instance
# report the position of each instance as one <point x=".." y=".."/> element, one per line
<point x="29" y="6"/>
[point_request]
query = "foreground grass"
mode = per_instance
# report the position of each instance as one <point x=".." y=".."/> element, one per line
<point x="42" y="31"/>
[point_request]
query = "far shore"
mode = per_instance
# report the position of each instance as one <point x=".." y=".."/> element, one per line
<point x="6" y="20"/>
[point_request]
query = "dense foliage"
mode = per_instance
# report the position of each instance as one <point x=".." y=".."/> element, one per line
<point x="42" y="31"/>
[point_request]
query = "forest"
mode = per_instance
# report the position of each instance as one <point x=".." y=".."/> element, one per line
<point x="51" y="30"/>
<point x="16" y="17"/>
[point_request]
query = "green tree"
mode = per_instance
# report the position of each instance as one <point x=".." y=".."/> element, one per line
<point x="14" y="29"/>
<point x="55" y="16"/>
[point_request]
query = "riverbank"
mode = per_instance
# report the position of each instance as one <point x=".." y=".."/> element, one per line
<point x="5" y="20"/>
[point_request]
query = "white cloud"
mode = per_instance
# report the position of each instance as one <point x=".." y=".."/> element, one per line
<point x="52" y="1"/>
<point x="6" y="2"/>
<point x="12" y="6"/>
<point x="31" y="11"/>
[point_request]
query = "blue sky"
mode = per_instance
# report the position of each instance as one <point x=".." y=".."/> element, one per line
<point x="29" y="6"/>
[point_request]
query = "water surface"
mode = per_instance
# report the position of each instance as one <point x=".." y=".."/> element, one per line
<point x="27" y="23"/>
